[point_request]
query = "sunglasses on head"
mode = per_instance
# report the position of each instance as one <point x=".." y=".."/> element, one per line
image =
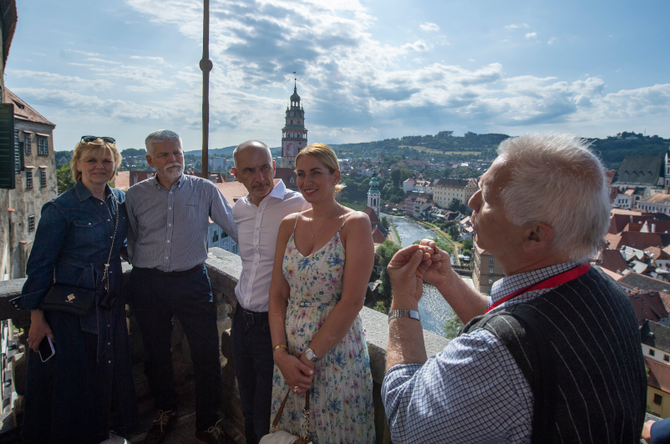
<point x="89" y="139"/>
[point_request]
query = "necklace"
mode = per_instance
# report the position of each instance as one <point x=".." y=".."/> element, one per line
<point x="322" y="224"/>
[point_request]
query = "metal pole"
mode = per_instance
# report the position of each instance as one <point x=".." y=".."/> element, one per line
<point x="206" y="67"/>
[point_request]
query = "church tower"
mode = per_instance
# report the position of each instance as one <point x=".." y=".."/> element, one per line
<point x="294" y="134"/>
<point x="374" y="196"/>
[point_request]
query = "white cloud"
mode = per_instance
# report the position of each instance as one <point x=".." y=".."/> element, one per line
<point x="551" y="41"/>
<point x="418" y="46"/>
<point x="87" y="105"/>
<point x="73" y="82"/>
<point x="429" y="27"/>
<point x="352" y="86"/>
<point x="159" y="60"/>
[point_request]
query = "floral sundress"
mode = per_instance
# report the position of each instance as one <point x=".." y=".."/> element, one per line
<point x="341" y="402"/>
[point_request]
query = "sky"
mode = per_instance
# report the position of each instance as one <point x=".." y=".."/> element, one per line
<point x="366" y="69"/>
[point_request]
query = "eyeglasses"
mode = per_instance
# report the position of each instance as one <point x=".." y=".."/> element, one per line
<point x="89" y="139"/>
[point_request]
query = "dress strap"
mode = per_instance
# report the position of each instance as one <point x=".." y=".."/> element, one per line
<point x="296" y="222"/>
<point x="345" y="221"/>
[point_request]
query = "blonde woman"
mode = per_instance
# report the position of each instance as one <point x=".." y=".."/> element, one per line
<point x="322" y="265"/>
<point x="69" y="396"/>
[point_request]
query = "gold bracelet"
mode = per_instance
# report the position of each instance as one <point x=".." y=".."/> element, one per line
<point x="278" y="346"/>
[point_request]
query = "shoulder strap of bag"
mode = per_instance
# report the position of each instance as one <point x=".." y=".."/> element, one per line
<point x="275" y="422"/>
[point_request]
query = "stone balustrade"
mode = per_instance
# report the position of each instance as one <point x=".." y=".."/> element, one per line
<point x="224" y="269"/>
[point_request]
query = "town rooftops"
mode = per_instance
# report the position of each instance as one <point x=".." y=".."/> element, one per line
<point x="644" y="283"/>
<point x="640" y="170"/>
<point x="23" y="111"/>
<point x="633" y="239"/>
<point x="612" y="260"/>
<point x="452" y="183"/>
<point x="659" y="374"/>
<point x="658" y="198"/>
<point x="647" y="306"/>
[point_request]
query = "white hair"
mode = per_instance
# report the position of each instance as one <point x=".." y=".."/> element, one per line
<point x="557" y="180"/>
<point x="161" y="136"/>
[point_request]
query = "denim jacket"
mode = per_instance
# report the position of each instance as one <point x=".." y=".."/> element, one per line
<point x="74" y="236"/>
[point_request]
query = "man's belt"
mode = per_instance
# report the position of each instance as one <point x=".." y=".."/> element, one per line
<point x="252" y="317"/>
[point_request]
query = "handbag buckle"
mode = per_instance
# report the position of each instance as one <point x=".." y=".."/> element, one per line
<point x="70" y="298"/>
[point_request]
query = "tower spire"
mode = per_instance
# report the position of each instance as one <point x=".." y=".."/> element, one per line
<point x="294" y="134"/>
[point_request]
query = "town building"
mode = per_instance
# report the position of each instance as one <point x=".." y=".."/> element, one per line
<point x="655" y="203"/>
<point x="417" y="186"/>
<point x="7" y="140"/>
<point x="485" y="270"/>
<point x="294" y="134"/>
<point x="374" y="196"/>
<point x="446" y="190"/>
<point x="655" y="339"/>
<point x="35" y="183"/>
<point x="640" y="177"/>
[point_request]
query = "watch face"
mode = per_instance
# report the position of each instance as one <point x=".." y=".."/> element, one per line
<point x="309" y="354"/>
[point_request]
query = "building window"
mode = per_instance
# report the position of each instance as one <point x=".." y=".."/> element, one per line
<point x="43" y="177"/>
<point x="42" y="146"/>
<point x="658" y="399"/>
<point x="666" y="358"/>
<point x="31" y="223"/>
<point x="215" y="237"/>
<point x="29" y="178"/>
<point x="490" y="270"/>
<point x="26" y="140"/>
<point x="490" y="281"/>
<point x="490" y="260"/>
<point x="651" y="352"/>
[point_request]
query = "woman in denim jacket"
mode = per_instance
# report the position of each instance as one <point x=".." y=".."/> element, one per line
<point x="69" y="397"/>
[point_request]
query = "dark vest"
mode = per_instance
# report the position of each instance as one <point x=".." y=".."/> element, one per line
<point x="578" y="344"/>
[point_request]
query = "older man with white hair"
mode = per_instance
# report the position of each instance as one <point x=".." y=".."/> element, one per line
<point x="168" y="219"/>
<point x="553" y="355"/>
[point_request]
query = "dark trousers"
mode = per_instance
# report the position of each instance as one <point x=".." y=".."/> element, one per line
<point x="252" y="355"/>
<point x="157" y="296"/>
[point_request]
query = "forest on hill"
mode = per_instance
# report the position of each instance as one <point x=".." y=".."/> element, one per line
<point x="444" y="146"/>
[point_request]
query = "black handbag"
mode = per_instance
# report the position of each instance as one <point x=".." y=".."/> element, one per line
<point x="77" y="300"/>
<point x="69" y="299"/>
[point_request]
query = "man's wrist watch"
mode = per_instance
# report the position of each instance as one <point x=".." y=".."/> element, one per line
<point x="413" y="314"/>
<point x="310" y="355"/>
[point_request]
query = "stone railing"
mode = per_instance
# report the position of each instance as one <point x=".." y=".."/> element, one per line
<point x="224" y="269"/>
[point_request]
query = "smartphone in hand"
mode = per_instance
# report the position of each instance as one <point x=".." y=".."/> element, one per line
<point x="47" y="350"/>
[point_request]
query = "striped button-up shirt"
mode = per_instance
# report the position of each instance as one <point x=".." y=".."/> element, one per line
<point x="168" y="228"/>
<point x="472" y="391"/>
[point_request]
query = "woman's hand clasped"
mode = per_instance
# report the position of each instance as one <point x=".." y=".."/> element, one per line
<point x="296" y="371"/>
<point x="39" y="328"/>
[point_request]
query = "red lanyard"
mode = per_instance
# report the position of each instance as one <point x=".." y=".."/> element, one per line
<point x="551" y="282"/>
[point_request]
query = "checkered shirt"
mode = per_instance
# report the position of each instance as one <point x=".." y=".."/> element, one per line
<point x="472" y="391"/>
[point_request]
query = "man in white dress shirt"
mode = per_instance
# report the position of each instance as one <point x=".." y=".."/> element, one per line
<point x="257" y="215"/>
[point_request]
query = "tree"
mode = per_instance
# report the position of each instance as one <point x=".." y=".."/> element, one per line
<point x="385" y="222"/>
<point x="385" y="253"/>
<point x="468" y="244"/>
<point x="454" y="205"/>
<point x="452" y="326"/>
<point x="454" y="232"/>
<point x="64" y="178"/>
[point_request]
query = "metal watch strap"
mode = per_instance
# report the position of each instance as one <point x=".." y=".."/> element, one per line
<point x="412" y="314"/>
<point x="310" y="355"/>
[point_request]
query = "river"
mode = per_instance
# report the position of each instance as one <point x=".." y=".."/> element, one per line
<point x="433" y="309"/>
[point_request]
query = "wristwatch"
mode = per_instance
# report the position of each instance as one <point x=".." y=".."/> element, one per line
<point x="310" y="355"/>
<point x="413" y="314"/>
